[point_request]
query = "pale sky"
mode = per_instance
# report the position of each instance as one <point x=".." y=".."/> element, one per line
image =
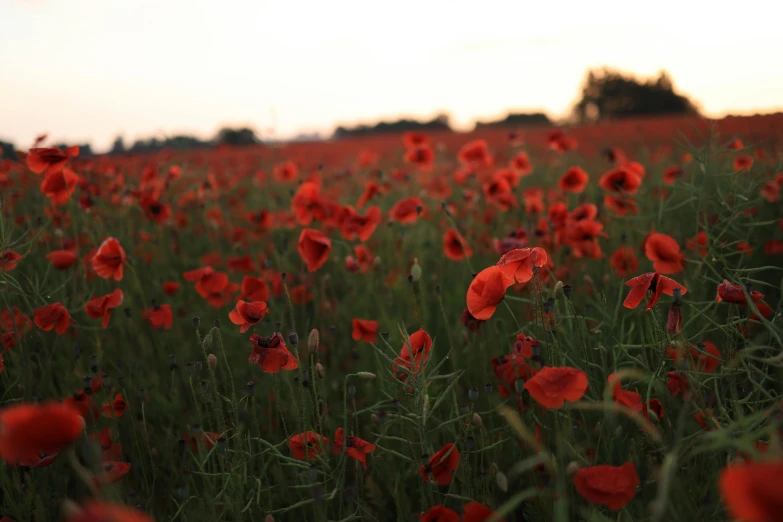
<point x="88" y="70"/>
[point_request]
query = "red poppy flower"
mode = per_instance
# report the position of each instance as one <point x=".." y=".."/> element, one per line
<point x="170" y="288"/>
<point x="582" y="237"/>
<point x="698" y="243"/>
<point x="656" y="284"/>
<point x="314" y="248"/>
<point x="519" y="264"/>
<point x="286" y="171"/>
<point x="353" y="224"/>
<point x="61" y="259"/>
<point x="486" y="291"/>
<point x="707" y="362"/>
<point x="607" y="485"/>
<point x="29" y="430"/>
<point x="271" y="354"/>
<point x="406" y="210"/>
<point x="422" y="156"/>
<point x="412" y="140"/>
<point x="672" y="174"/>
<point x="674" y="319"/>
<point x="439" y="513"/>
<point x="521" y="164"/>
<point x="155" y="210"/>
<point x="552" y="386"/>
<point x="442" y="465"/>
<point x="470" y="322"/>
<point x="101" y="307"/>
<point x="664" y="252"/>
<point x="414" y="355"/>
<point x="454" y="246"/>
<point x="59" y="186"/>
<point x="621" y="206"/>
<point x="364" y="330"/>
<point x="247" y="314"/>
<point x="371" y="190"/>
<point x="109" y="259"/>
<point x="355" y="447"/>
<point x="47" y="161"/>
<point x="112" y="472"/>
<point x="243" y="264"/>
<point x="574" y="180"/>
<point x="751" y="491"/>
<point x="159" y="317"/>
<point x="475" y="512"/>
<point x="734" y="294"/>
<point x="8" y="260"/>
<point x="678" y="383"/>
<point x="307" y="445"/>
<point x="475" y="154"/>
<point x="115" y="408"/>
<point x="624" y="262"/>
<point x="98" y="511"/>
<point x="53" y="316"/>
<point x="621" y="180"/>
<point x="743" y="163"/>
<point x="254" y="289"/>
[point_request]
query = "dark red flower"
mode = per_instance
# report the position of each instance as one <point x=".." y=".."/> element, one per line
<point x="99" y="511"/>
<point x="475" y="512"/>
<point x="624" y="261"/>
<point x="364" y="330"/>
<point x="552" y="386"/>
<point x="356" y="448"/>
<point x="159" y="317"/>
<point x="454" y="246"/>
<point x="53" y="316"/>
<point x="574" y="180"/>
<point x="271" y="354"/>
<point x="439" y="513"/>
<point x="607" y="485"/>
<point x="656" y="284"/>
<point x="406" y="210"/>
<point x="47" y="161"/>
<point x="307" y="445"/>
<point x="486" y="291"/>
<point x="442" y="465"/>
<point x="8" y="260"/>
<point x="520" y="263"/>
<point x="664" y="252"/>
<point x="751" y="491"/>
<point x="101" y="307"/>
<point x="621" y="180"/>
<point x="109" y="259"/>
<point x="29" y="430"/>
<point x="62" y="259"/>
<point x="314" y="248"/>
<point x="470" y="322"/>
<point x="247" y="314"/>
<point x="734" y="294"/>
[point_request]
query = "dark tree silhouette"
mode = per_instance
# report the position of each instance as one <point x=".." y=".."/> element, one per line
<point x="609" y="94"/>
<point x="118" y="147"/>
<point x="8" y="151"/>
<point x="534" y="119"/>
<point x="439" y="123"/>
<point x="243" y="136"/>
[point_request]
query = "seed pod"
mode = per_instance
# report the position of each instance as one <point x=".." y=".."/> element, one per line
<point x="473" y="394"/>
<point x="293" y="338"/>
<point x="196" y="321"/>
<point x="251" y="388"/>
<point x="351" y="391"/>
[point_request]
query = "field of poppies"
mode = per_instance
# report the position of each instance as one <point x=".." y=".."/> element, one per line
<point x="576" y="324"/>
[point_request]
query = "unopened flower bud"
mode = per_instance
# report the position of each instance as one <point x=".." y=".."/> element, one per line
<point x="572" y="467"/>
<point x="269" y="518"/>
<point x="293" y="338"/>
<point x="319" y="370"/>
<point x="367" y="376"/>
<point x="567" y="291"/>
<point x="416" y="270"/>
<point x="376" y="263"/>
<point x="313" y="340"/>
<point x="501" y="481"/>
<point x="212" y="361"/>
<point x="477" y="422"/>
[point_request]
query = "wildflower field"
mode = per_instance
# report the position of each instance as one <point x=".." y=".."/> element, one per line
<point x="579" y="324"/>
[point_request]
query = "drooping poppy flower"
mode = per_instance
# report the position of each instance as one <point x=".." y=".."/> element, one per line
<point x="53" y="316"/>
<point x="470" y="322"/>
<point x="59" y="186"/>
<point x="454" y="246"/>
<point x="656" y="284"/>
<point x="519" y="264"/>
<point x="314" y="248"/>
<point x="99" y="511"/>
<point x="733" y="294"/>
<point x="62" y="259"/>
<point x="271" y="354"/>
<point x="486" y="291"/>
<point x="475" y="512"/>
<point x="246" y="314"/>
<point x="439" y="513"/>
<point x="364" y="330"/>
<point x="29" y="430"/>
<point x="624" y="261"/>
<point x="406" y="210"/>
<point x="42" y="160"/>
<point x="608" y="485"/>
<point x="8" y="260"/>
<point x="442" y="465"/>
<point x="116" y="408"/>
<point x="356" y="448"/>
<point x="159" y="317"/>
<point x="751" y="491"/>
<point x="574" y="180"/>
<point x="307" y="445"/>
<point x="109" y="259"/>
<point x="552" y="386"/>
<point x="621" y="180"/>
<point x="101" y="307"/>
<point x="664" y="252"/>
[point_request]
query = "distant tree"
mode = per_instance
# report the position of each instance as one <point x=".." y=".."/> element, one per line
<point x="440" y="123"/>
<point x="608" y="94"/>
<point x="7" y="151"/>
<point x="118" y="147"/>
<point x="534" y="119"/>
<point x="243" y="136"/>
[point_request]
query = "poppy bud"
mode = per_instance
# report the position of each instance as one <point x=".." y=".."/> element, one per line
<point x="312" y="341"/>
<point x="519" y="385"/>
<point x="677" y="293"/>
<point x="558" y="289"/>
<point x="293" y="338"/>
<point x="477" y="422"/>
<point x="501" y="481"/>
<point x="416" y="270"/>
<point x="319" y="370"/>
<point x="305" y="378"/>
<point x="376" y="263"/>
<point x="572" y="467"/>
<point x="473" y="393"/>
<point x="351" y="391"/>
<point x="212" y="361"/>
<point x="269" y="518"/>
<point x="196" y="321"/>
<point x="410" y="279"/>
<point x="367" y="376"/>
<point x="375" y="418"/>
<point x="674" y="319"/>
<point x="251" y="388"/>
